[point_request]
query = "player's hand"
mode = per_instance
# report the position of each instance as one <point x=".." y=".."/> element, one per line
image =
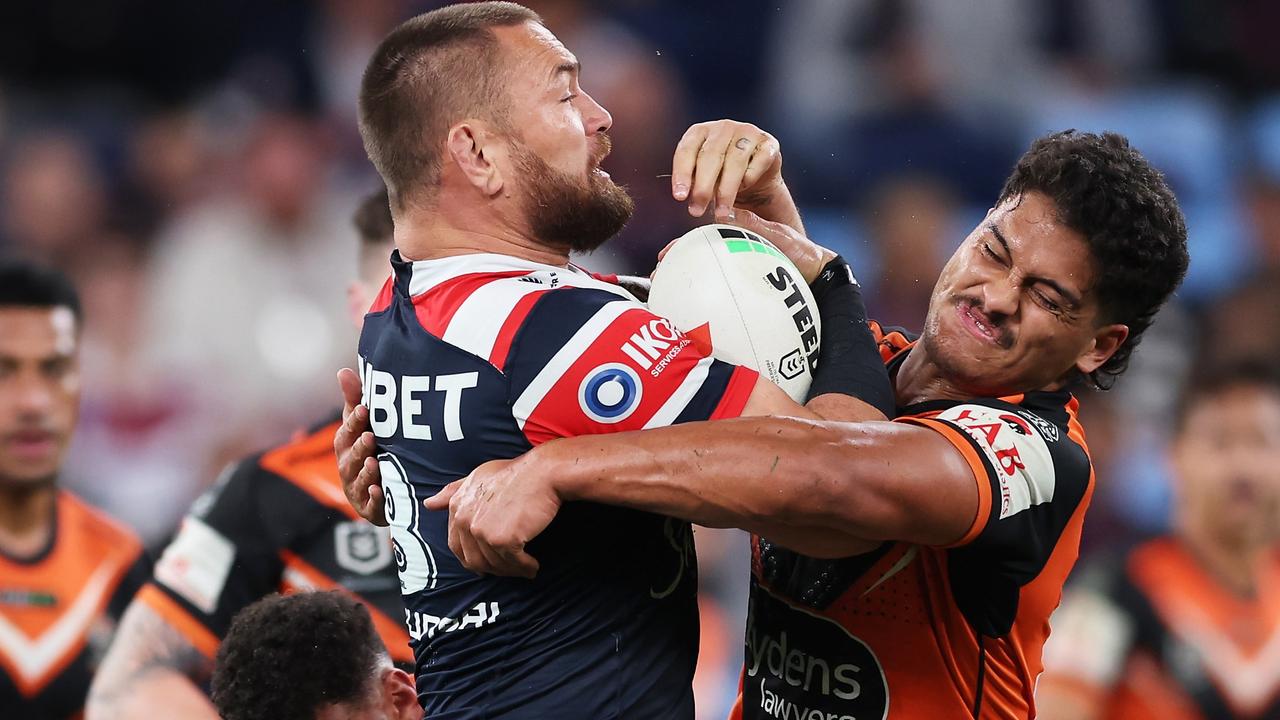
<point x="808" y="256"/>
<point x="354" y="446"/>
<point x="494" y="512"/>
<point x="724" y="165"/>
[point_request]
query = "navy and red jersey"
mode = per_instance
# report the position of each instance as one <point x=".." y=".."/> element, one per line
<point x="59" y="610"/>
<point x="481" y="357"/>
<point x="275" y="522"/>
<point x="914" y="632"/>
<point x="1157" y="636"/>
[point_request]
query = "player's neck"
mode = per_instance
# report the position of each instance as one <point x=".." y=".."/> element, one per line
<point x="26" y="518"/>
<point x="1234" y="565"/>
<point x="919" y="379"/>
<point x="433" y="235"/>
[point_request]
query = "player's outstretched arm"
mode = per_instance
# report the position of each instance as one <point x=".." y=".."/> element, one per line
<point x="815" y="484"/>
<point x="151" y="668"/>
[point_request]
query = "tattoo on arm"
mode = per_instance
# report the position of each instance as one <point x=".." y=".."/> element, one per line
<point x="145" y="644"/>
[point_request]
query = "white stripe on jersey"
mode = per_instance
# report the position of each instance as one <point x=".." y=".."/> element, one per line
<point x="427" y="274"/>
<point x="679" y="400"/>
<point x="475" y="325"/>
<point x="565" y="357"/>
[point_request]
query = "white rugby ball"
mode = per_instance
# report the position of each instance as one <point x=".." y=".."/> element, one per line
<point x="731" y="288"/>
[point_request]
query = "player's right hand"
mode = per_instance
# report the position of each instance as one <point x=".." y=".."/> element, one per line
<point x="354" y="446"/>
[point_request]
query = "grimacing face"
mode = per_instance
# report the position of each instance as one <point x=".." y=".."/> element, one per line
<point x="39" y="392"/>
<point x="1013" y="310"/>
<point x="1226" y="461"/>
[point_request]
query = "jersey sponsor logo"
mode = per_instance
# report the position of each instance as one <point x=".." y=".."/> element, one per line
<point x="1023" y="464"/>
<point x="801" y="315"/>
<point x="360" y="547"/>
<point x="610" y="393"/>
<point x="801" y="666"/>
<point x="655" y="345"/>
<point x="426" y="625"/>
<point x="196" y="564"/>
<point x="396" y="402"/>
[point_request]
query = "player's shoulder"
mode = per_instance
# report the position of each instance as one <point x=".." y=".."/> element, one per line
<point x="95" y="524"/>
<point x="891" y="340"/>
<point x="479" y="303"/>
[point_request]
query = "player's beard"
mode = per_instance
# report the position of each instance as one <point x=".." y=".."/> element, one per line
<point x="565" y="212"/>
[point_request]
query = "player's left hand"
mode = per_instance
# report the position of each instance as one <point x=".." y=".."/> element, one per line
<point x="725" y="164"/>
<point x="354" y="446"/>
<point x="493" y="513"/>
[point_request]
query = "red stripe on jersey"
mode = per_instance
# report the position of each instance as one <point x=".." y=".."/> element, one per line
<point x="562" y="411"/>
<point x="502" y="345"/>
<point x="736" y="393"/>
<point x="605" y="277"/>
<point x="383" y="300"/>
<point x="435" y="307"/>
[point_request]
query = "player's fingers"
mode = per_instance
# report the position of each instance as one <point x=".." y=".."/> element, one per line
<point x="370" y="502"/>
<point x="472" y="557"/>
<point x="736" y="160"/>
<point x="375" y="510"/>
<point x="440" y="501"/>
<point x="349" y="383"/>
<point x="518" y="563"/>
<point x="767" y="153"/>
<point x="710" y="160"/>
<point x="686" y="156"/>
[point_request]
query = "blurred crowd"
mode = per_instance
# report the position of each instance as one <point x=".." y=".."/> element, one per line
<point x="194" y="166"/>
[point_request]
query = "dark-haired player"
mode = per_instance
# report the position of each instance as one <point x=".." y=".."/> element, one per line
<point x="487" y="341"/>
<point x="309" y="656"/>
<point x="275" y="522"/>
<point x="959" y="521"/>
<point x="1187" y="626"/>
<point x="67" y="571"/>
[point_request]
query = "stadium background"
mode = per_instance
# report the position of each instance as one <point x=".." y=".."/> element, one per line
<point x="193" y="166"/>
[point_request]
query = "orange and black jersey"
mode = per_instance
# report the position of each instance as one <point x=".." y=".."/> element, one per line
<point x="1156" y="636"/>
<point x="276" y="522"/>
<point x="912" y="632"/>
<point x="59" y="609"/>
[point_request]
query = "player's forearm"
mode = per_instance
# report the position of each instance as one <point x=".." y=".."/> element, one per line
<point x="774" y="204"/>
<point x="150" y="665"/>
<point x="872" y="480"/>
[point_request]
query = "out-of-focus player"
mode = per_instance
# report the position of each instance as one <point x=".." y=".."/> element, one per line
<point x="66" y="570"/>
<point x="309" y="656"/>
<point x="487" y="341"/>
<point x="275" y="522"/>
<point x="1187" y="626"/>
<point x="959" y="522"/>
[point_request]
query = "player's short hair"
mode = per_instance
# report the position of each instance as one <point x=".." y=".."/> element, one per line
<point x="429" y="72"/>
<point x="285" y="657"/>
<point x="27" y="284"/>
<point x="1212" y="380"/>
<point x="1106" y="190"/>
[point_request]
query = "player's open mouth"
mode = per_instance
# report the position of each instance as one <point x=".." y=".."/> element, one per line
<point x="977" y="323"/>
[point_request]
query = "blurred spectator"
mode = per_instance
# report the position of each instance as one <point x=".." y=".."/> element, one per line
<point x="242" y="294"/>
<point x="913" y="224"/>
<point x="54" y="199"/>
<point x="1187" y="625"/>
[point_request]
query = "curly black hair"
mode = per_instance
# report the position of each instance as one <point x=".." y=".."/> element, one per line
<point x="1106" y="190"/>
<point x="27" y="284"/>
<point x="286" y="656"/>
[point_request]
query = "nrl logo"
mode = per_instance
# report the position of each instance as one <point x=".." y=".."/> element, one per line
<point x="361" y="547"/>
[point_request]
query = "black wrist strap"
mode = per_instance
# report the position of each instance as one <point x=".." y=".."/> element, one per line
<point x="849" y="361"/>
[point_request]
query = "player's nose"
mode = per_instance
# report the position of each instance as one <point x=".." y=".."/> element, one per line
<point x="594" y="117"/>
<point x="1000" y="296"/>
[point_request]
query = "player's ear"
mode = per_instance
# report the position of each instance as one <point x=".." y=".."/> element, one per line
<point x="1106" y="341"/>
<point x="400" y="695"/>
<point x="473" y="150"/>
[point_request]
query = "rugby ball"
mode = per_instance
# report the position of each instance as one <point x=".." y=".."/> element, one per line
<point x="732" y="291"/>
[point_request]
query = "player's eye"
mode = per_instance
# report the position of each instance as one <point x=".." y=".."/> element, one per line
<point x="569" y="98"/>
<point x="991" y="253"/>
<point x="1049" y="304"/>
